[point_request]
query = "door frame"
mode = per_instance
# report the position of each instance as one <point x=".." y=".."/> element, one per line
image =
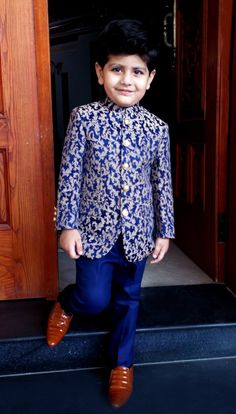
<point x="43" y="73"/>
<point x="231" y="262"/>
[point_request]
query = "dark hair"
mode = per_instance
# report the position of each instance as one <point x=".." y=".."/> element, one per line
<point x="125" y="37"/>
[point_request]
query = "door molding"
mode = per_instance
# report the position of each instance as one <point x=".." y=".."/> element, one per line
<point x="42" y="48"/>
<point x="231" y="262"/>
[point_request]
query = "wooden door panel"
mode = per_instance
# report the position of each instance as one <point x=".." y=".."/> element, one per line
<point x="4" y="190"/>
<point x="190" y="174"/>
<point x="191" y="152"/>
<point x="25" y="229"/>
<point x="231" y="262"/>
<point x="192" y="42"/>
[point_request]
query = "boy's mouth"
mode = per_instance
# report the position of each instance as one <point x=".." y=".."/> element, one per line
<point x="124" y="91"/>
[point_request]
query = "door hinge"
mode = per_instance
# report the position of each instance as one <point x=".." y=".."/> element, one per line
<point x="222" y="227"/>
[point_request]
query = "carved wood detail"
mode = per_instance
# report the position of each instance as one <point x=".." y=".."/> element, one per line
<point x="197" y="171"/>
<point x="7" y="278"/>
<point x="1" y="94"/>
<point x="181" y="171"/>
<point x="4" y="200"/>
<point x="192" y="45"/>
<point x="190" y="173"/>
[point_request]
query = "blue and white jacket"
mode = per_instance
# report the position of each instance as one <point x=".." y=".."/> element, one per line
<point x="115" y="178"/>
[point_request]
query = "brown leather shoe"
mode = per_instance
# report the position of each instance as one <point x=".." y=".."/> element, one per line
<point x="120" y="386"/>
<point x="58" y="325"/>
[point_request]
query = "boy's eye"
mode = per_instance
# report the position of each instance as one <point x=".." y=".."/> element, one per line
<point x="138" y="72"/>
<point x="116" y="69"/>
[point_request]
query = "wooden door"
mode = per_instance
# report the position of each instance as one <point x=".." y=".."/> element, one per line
<point x="231" y="262"/>
<point x="203" y="46"/>
<point x="28" y="259"/>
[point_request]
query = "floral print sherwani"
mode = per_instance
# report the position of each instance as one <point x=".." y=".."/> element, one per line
<point x="115" y="178"/>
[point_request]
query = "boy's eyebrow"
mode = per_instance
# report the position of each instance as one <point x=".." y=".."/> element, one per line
<point x="140" y="67"/>
<point x="133" y="67"/>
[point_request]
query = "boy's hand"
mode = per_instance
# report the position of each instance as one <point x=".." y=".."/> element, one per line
<point x="70" y="242"/>
<point x="161" y="247"/>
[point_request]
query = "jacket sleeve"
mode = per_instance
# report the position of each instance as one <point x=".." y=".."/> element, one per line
<point x="162" y="188"/>
<point x="70" y="176"/>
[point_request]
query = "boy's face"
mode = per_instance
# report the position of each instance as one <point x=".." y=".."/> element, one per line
<point x="125" y="79"/>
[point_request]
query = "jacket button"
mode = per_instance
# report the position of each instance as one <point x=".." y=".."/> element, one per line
<point x="126" y="187"/>
<point x="126" y="142"/>
<point x="125" y="166"/>
<point x="125" y="212"/>
<point x="126" y="121"/>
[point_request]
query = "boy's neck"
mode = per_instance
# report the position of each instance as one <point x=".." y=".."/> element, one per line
<point x="113" y="105"/>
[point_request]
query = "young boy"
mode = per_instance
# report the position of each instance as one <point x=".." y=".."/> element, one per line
<point x="115" y="204"/>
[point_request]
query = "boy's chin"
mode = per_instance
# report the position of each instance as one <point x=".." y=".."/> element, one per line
<point x="124" y="101"/>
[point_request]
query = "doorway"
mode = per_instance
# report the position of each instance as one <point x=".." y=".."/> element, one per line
<point x="72" y="32"/>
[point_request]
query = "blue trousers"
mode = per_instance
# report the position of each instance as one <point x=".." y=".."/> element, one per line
<point x="110" y="281"/>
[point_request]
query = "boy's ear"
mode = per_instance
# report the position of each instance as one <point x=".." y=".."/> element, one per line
<point x="150" y="79"/>
<point x="99" y="73"/>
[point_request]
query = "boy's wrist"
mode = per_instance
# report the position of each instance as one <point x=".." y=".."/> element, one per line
<point x="66" y="230"/>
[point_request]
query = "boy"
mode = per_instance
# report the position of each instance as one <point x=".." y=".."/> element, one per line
<point x="115" y="204"/>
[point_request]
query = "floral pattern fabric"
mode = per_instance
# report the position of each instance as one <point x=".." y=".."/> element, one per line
<point x="115" y="178"/>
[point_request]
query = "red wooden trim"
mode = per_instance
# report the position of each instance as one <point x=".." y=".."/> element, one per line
<point x="231" y="263"/>
<point x="224" y="39"/>
<point x="46" y="139"/>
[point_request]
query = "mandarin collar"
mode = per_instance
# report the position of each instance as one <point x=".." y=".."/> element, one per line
<point x="120" y="109"/>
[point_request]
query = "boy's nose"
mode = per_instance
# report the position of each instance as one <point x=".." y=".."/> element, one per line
<point x="126" y="79"/>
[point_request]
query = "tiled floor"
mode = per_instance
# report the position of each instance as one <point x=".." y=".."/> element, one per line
<point x="175" y="269"/>
<point x="206" y="387"/>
